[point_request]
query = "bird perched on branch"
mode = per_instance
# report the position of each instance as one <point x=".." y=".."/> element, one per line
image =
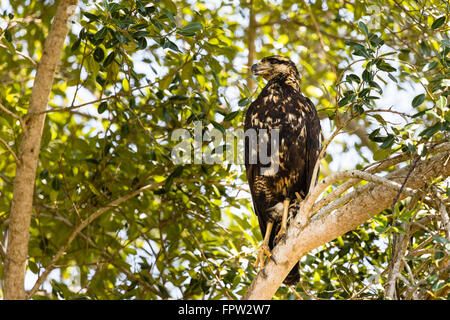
<point x="281" y="162"/>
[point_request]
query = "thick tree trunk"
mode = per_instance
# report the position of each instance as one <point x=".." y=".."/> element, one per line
<point x="22" y="203"/>
<point x="369" y="199"/>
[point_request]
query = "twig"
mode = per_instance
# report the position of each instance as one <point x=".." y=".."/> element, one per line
<point x="34" y="63"/>
<point x="444" y="217"/>
<point x="322" y="152"/>
<point x="81" y="226"/>
<point x="12" y="114"/>
<point x="411" y="169"/>
<point x="215" y="274"/>
<point x="120" y="94"/>
<point x="323" y="206"/>
<point x="394" y="235"/>
<point x="88" y="220"/>
<point x="352" y="174"/>
<point x="10" y="150"/>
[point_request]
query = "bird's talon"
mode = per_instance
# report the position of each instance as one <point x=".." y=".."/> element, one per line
<point x="273" y="259"/>
<point x="281" y="236"/>
<point x="264" y="273"/>
<point x="263" y="251"/>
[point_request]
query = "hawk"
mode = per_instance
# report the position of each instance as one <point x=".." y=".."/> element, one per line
<point x="280" y="111"/>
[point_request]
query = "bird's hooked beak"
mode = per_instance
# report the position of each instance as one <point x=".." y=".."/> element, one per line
<point x="255" y="69"/>
<point x="261" y="69"/>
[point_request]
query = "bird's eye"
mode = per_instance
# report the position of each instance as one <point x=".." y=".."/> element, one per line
<point x="274" y="61"/>
<point x="277" y="61"/>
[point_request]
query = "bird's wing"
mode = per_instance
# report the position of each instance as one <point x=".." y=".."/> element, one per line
<point x="313" y="142"/>
<point x="259" y="187"/>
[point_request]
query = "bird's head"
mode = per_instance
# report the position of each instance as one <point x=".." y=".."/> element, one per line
<point x="274" y="66"/>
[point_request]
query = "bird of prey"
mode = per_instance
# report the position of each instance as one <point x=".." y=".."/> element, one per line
<point x="280" y="108"/>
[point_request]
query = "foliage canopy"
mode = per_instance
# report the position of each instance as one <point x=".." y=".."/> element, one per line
<point x="134" y="71"/>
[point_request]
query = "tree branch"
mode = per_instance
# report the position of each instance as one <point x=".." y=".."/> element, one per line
<point x="12" y="114"/>
<point x="83" y="225"/>
<point x="369" y="199"/>
<point x="251" y="37"/>
<point x="10" y="150"/>
<point x="86" y="222"/>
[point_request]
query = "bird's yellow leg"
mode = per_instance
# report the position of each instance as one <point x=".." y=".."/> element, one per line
<point x="281" y="234"/>
<point x="264" y="249"/>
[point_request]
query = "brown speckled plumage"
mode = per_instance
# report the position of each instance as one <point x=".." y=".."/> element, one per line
<point x="281" y="105"/>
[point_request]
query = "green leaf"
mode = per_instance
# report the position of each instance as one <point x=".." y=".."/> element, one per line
<point x="231" y="116"/>
<point x="99" y="54"/>
<point x="354" y="45"/>
<point x="141" y="7"/>
<point x="345" y="100"/>
<point x="172" y="46"/>
<point x="362" y="52"/>
<point x="438" y="255"/>
<point x="175" y="174"/>
<point x="364" y="92"/>
<point x="93" y="189"/>
<point x="430" y="66"/>
<point x="218" y="126"/>
<point x="418" y="100"/>
<point x="124" y="130"/>
<point x="76" y="44"/>
<point x="374" y="133"/>
<point x="380" y="119"/>
<point x="441" y="103"/>
<point x="165" y="82"/>
<point x="440" y="239"/>
<point x="388" y="142"/>
<point x="33" y="267"/>
<point x="170" y="5"/>
<point x="91" y="16"/>
<point x="363" y="27"/>
<point x="244" y="102"/>
<point x="56" y="184"/>
<point x="392" y="78"/>
<point x="102" y="107"/>
<point x="367" y="76"/>
<point x="44" y="174"/>
<point x="438" y="22"/>
<point x="10" y="46"/>
<point x="169" y="15"/>
<point x="142" y="43"/>
<point x="101" y="35"/>
<point x="384" y="66"/>
<point x="380" y="154"/>
<point x="140" y="26"/>
<point x="358" y="108"/>
<point x="375" y="40"/>
<point x="157" y="24"/>
<point x="430" y="131"/>
<point x="190" y="29"/>
<point x="353" y="77"/>
<point x="8" y="35"/>
<point x="109" y="59"/>
<point x="125" y="85"/>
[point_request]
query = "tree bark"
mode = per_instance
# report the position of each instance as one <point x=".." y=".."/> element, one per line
<point x="24" y="181"/>
<point x="368" y="200"/>
<point x="251" y="46"/>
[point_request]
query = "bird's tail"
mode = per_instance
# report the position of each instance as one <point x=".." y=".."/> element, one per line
<point x="294" y="276"/>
